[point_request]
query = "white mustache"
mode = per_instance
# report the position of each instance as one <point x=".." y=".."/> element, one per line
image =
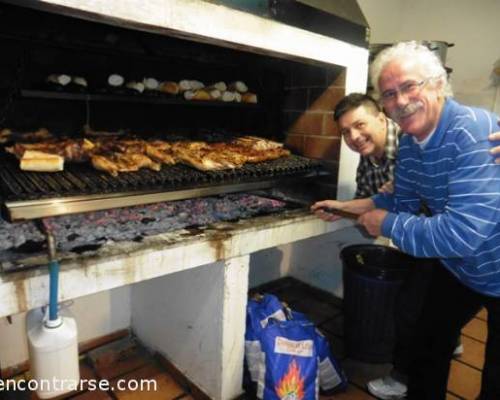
<point x="408" y="109"/>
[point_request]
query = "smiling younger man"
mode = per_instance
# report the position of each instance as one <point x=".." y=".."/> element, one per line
<point x="445" y="162"/>
<point x="367" y="131"/>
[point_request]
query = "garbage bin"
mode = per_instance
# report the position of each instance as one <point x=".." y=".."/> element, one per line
<point x="372" y="275"/>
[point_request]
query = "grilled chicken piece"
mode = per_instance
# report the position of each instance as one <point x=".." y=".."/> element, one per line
<point x="161" y="145"/>
<point x="106" y="164"/>
<point x="206" y="156"/>
<point x="230" y="152"/>
<point x="76" y="150"/>
<point x="130" y="146"/>
<point x="225" y="160"/>
<point x="257" y="143"/>
<point x="160" y="151"/>
<point x="248" y="152"/>
<point x="139" y="160"/>
<point x="189" y="145"/>
<point x="194" y="154"/>
<point x="121" y="162"/>
<point x="203" y="163"/>
<point x="216" y="156"/>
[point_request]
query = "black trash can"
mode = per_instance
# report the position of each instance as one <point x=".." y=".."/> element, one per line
<point x="372" y="275"/>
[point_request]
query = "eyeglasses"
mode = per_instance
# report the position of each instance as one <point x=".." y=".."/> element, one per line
<point x="409" y="88"/>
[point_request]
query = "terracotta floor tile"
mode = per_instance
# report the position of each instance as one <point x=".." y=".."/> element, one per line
<point x="121" y="367"/>
<point x="483" y="314"/>
<point x="473" y="352"/>
<point x="464" y="381"/>
<point x="94" y="395"/>
<point x="166" y="387"/>
<point x="352" y="393"/>
<point x="476" y="329"/>
<point x="450" y="396"/>
<point x="118" y="358"/>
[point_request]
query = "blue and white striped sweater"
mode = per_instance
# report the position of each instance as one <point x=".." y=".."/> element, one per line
<point x="457" y="178"/>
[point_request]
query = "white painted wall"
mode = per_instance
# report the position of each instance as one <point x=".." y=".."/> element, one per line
<point x="96" y="315"/>
<point x="473" y="26"/>
<point x="315" y="261"/>
<point x="194" y="319"/>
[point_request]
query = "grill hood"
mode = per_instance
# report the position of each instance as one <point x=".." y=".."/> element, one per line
<point x="222" y="23"/>
<point x="338" y="19"/>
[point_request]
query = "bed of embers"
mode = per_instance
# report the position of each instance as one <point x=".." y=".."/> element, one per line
<point x="86" y="232"/>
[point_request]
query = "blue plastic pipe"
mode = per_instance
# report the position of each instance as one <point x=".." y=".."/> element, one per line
<point x="53" y="287"/>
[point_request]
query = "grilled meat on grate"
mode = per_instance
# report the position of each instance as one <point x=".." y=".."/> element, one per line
<point x="115" y="155"/>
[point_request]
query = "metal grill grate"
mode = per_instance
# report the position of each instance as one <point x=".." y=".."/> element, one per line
<point x="78" y="180"/>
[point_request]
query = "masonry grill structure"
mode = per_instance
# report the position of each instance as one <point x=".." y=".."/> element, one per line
<point x="198" y="227"/>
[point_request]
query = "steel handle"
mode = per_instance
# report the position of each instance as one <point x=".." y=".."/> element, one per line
<point x="341" y="213"/>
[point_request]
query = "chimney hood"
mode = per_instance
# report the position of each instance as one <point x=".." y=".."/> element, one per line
<point x="261" y="26"/>
<point x="341" y="19"/>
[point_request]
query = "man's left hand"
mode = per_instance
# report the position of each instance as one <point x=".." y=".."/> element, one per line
<point x="372" y="221"/>
<point x="495" y="150"/>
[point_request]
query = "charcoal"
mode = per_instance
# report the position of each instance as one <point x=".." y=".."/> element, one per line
<point x="81" y="233"/>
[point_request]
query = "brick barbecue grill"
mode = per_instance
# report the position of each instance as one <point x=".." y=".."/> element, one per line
<point x="178" y="243"/>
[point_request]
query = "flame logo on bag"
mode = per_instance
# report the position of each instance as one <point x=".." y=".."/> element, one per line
<point x="291" y="386"/>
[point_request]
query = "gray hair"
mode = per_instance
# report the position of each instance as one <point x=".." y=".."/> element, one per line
<point x="428" y="60"/>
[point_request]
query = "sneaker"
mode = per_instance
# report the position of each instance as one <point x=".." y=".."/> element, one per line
<point x="459" y="350"/>
<point x="387" y="388"/>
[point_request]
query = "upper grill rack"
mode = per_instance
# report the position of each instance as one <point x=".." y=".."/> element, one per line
<point x="82" y="179"/>
<point x="80" y="188"/>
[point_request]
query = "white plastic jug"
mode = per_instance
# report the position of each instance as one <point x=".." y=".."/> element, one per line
<point x="53" y="350"/>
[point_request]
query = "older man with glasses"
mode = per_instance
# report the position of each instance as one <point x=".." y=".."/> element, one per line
<point x="445" y="161"/>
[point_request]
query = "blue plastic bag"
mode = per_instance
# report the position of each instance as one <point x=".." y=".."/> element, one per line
<point x="291" y="363"/>
<point x="286" y="357"/>
<point x="259" y="310"/>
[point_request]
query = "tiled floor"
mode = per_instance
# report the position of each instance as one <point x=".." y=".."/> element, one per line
<point x="325" y="311"/>
<point x="124" y="359"/>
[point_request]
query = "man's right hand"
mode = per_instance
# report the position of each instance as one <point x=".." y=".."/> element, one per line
<point x="357" y="206"/>
<point x="319" y="207"/>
